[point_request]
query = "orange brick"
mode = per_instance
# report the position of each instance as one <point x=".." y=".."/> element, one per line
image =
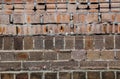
<point x="51" y="1"/>
<point x="51" y="6"/>
<point x="82" y="18"/>
<point x="91" y="18"/>
<point x="61" y="6"/>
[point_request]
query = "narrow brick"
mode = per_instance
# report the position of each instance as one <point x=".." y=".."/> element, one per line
<point x="93" y="65"/>
<point x="98" y="40"/>
<point x="78" y="55"/>
<point x="109" y="42"/>
<point x="117" y="42"/>
<point x="64" y="55"/>
<point x="6" y="76"/>
<point x="28" y="42"/>
<point x="64" y="75"/>
<point x="8" y="43"/>
<point x="18" y="43"/>
<point x="59" y="42"/>
<point x="38" y="42"/>
<point x="79" y="75"/>
<point x="48" y="42"/>
<point x="79" y="42"/>
<point x="108" y="75"/>
<point x="50" y="55"/>
<point x="36" y="76"/>
<point x="69" y="42"/>
<point x="51" y="76"/>
<point x="88" y="42"/>
<point x="93" y="75"/>
<point x="35" y="56"/>
<point x="22" y="76"/>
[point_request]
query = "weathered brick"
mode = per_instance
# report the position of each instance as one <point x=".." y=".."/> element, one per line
<point x="93" y="55"/>
<point x="72" y="8"/>
<point x="93" y="75"/>
<point x="79" y="75"/>
<point x="78" y="55"/>
<point x="36" y="65"/>
<point x="64" y="55"/>
<point x="109" y="42"/>
<point x="6" y="76"/>
<point x="51" y="76"/>
<point x="114" y="64"/>
<point x="64" y="75"/>
<point x="28" y="42"/>
<point x="64" y="65"/>
<point x="108" y="75"/>
<point x="18" y="43"/>
<point x="117" y="42"/>
<point x="4" y="19"/>
<point x="98" y="40"/>
<point x="8" y="66"/>
<point x="7" y="56"/>
<point x="22" y="76"/>
<point x="48" y="42"/>
<point x="50" y="55"/>
<point x="117" y="55"/>
<point x="35" y="56"/>
<point x="93" y="65"/>
<point x="36" y="76"/>
<point x="21" y="56"/>
<point x="59" y="42"/>
<point x="88" y="42"/>
<point x="8" y="43"/>
<point x="18" y="18"/>
<point x="38" y="42"/>
<point x="69" y="42"/>
<point x="79" y="42"/>
<point x="107" y="55"/>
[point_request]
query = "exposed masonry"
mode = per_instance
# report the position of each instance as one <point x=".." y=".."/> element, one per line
<point x="59" y="39"/>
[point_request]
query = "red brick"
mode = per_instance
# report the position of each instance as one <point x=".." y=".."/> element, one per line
<point x="91" y="18"/>
<point x="79" y="75"/>
<point x="22" y="56"/>
<point x="22" y="76"/>
<point x="88" y="42"/>
<point x="18" y="18"/>
<point x="109" y="42"/>
<point x="7" y="76"/>
<point x="28" y="42"/>
<point x="108" y="75"/>
<point x="4" y="19"/>
<point x="18" y="43"/>
<point x="18" y="1"/>
<point x="71" y="8"/>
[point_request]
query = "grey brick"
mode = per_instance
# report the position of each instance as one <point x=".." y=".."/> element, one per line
<point x="38" y="42"/>
<point x="8" y="43"/>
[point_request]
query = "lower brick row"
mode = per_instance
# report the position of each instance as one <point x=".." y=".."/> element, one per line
<point x="59" y="65"/>
<point x="64" y="75"/>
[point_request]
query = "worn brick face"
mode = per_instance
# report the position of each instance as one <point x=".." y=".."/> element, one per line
<point x="108" y="75"/>
<point x="36" y="76"/>
<point x="79" y="75"/>
<point x="7" y="76"/>
<point x="50" y="76"/>
<point x="28" y="43"/>
<point x="8" y="43"/>
<point x="64" y="75"/>
<point x="93" y="75"/>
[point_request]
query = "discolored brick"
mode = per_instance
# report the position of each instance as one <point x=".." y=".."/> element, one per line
<point x="93" y="55"/>
<point x="18" y="43"/>
<point x="114" y="64"/>
<point x="22" y="76"/>
<point x="18" y="18"/>
<point x="6" y="76"/>
<point x="51" y="76"/>
<point x="38" y="42"/>
<point x="64" y="75"/>
<point x="4" y="19"/>
<point x="69" y="42"/>
<point x="8" y="43"/>
<point x="48" y="42"/>
<point x="28" y="42"/>
<point x="109" y="42"/>
<point x="36" y="76"/>
<point x="108" y="75"/>
<point x="93" y="75"/>
<point x="50" y="55"/>
<point x="79" y="42"/>
<point x="88" y="42"/>
<point x="107" y="55"/>
<point x="22" y="56"/>
<point x="79" y="75"/>
<point x="64" y="55"/>
<point x="59" y="42"/>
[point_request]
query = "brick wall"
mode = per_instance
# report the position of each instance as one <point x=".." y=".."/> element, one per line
<point x="59" y="39"/>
